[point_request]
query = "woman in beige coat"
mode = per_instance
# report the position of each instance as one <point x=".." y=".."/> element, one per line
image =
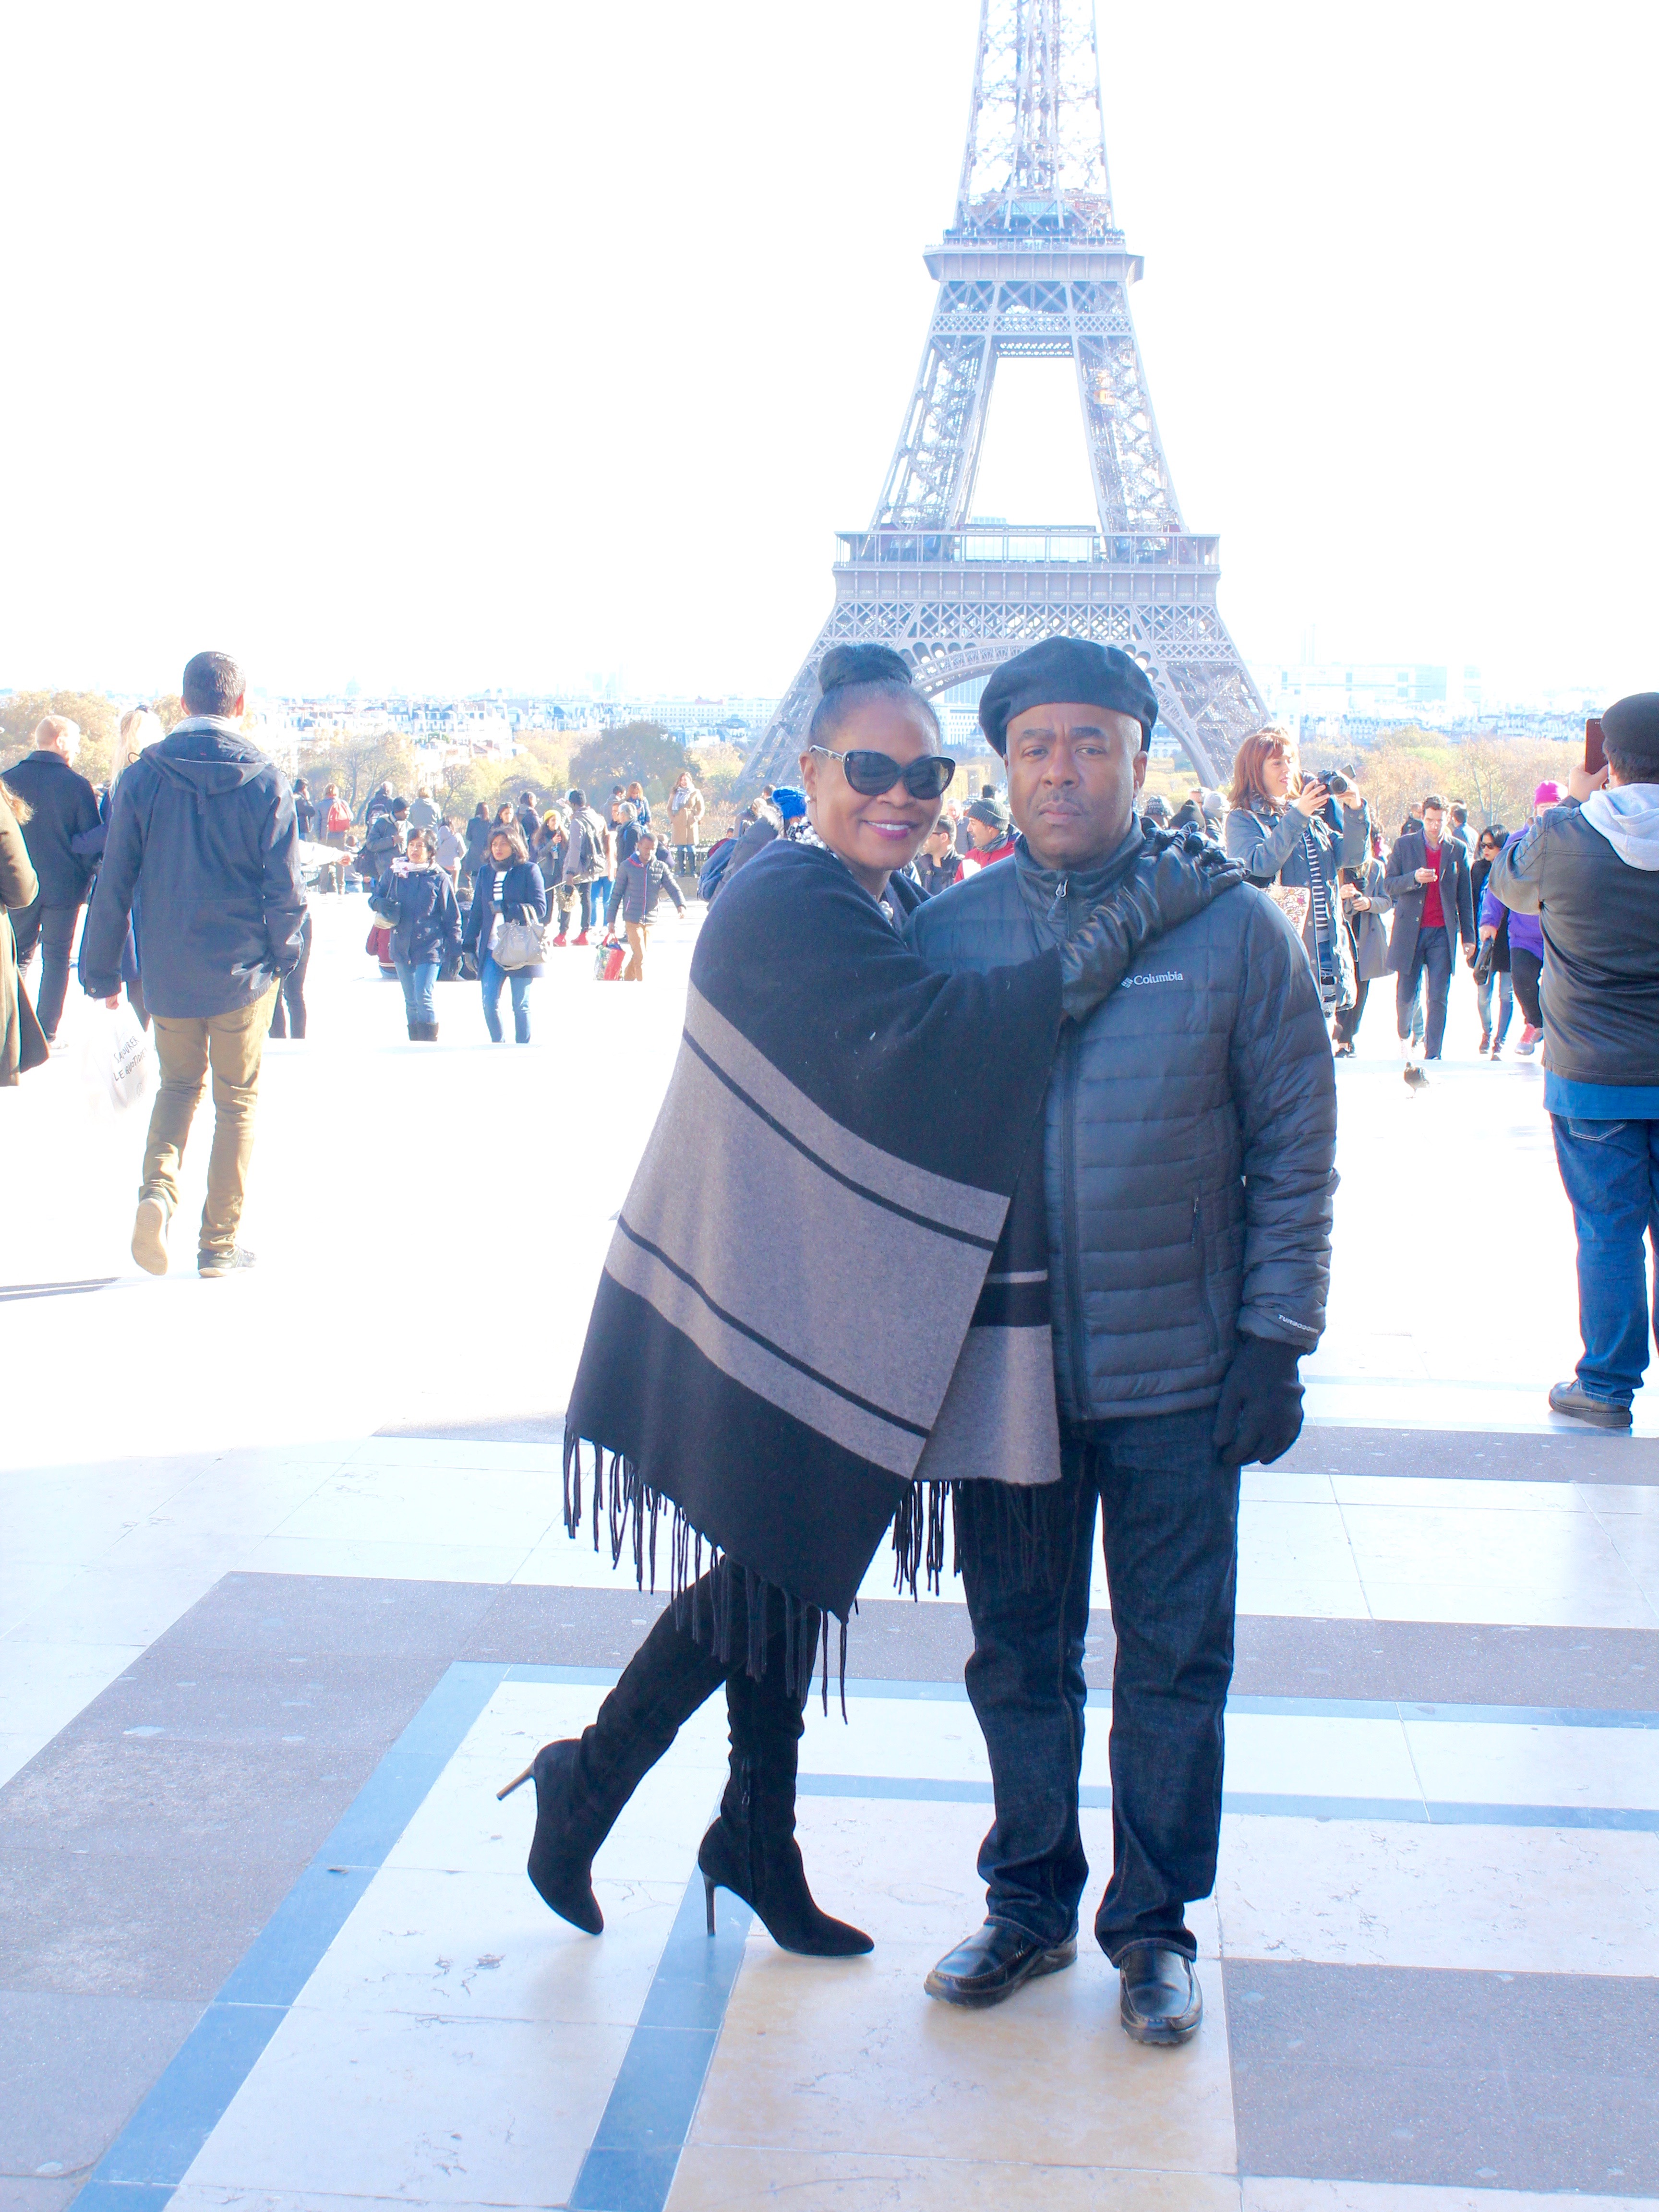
<point x="21" y="1044"/>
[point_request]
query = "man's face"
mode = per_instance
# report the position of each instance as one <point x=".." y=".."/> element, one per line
<point x="1073" y="772"/>
<point x="984" y="834"/>
<point x="1432" y="819"/>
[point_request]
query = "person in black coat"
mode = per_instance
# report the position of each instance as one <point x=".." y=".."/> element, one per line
<point x="478" y="844"/>
<point x="1428" y="884"/>
<point x="305" y="808"/>
<point x="418" y="901"/>
<point x="509" y="888"/>
<point x="64" y="836"/>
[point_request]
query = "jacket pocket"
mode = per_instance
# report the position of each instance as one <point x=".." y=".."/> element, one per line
<point x="1201" y="1270"/>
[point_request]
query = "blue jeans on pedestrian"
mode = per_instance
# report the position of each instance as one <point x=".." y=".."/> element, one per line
<point x="420" y="980"/>
<point x="1170" y="1528"/>
<point x="492" y="978"/>
<point x="1610" y="1172"/>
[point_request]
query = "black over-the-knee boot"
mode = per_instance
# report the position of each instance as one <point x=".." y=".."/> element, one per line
<point x="750" y="1849"/>
<point x="583" y="1783"/>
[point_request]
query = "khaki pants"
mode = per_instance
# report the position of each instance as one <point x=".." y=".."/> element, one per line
<point x="187" y="1045"/>
<point x="638" y="933"/>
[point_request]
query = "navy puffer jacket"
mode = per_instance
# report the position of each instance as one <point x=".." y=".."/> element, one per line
<point x="1190" y="1137"/>
<point x="428" y="924"/>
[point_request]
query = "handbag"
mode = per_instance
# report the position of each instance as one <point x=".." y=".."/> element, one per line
<point x="609" y="958"/>
<point x="521" y="945"/>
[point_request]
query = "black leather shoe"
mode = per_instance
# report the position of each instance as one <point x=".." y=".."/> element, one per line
<point x="1158" y="1997"/>
<point x="994" y="1962"/>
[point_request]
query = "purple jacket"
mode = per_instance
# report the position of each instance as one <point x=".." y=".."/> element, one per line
<point x="1525" y="930"/>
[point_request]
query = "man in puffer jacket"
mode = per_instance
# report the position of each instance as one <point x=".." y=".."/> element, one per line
<point x="641" y="879"/>
<point x="1190" y="1140"/>
<point x="1589" y="869"/>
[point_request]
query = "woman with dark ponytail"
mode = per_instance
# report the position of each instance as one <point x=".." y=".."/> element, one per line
<point x="763" y="1408"/>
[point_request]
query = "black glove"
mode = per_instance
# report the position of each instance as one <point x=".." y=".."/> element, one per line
<point x="1259" y="1416"/>
<point x="1173" y="878"/>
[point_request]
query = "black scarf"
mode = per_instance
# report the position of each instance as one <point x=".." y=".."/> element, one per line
<point x="819" y="1302"/>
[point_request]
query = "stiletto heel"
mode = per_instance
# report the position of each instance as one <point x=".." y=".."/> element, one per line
<point x="708" y="1899"/>
<point x="519" y="1784"/>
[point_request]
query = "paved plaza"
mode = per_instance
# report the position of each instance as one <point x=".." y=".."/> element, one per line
<point x="285" y="1597"/>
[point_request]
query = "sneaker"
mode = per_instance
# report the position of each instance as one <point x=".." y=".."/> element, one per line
<point x="224" y="1263"/>
<point x="560" y="938"/>
<point x="1578" y="1405"/>
<point x="1485" y="1045"/>
<point x="1528" y="1044"/>
<point x="582" y="940"/>
<point x="149" y="1235"/>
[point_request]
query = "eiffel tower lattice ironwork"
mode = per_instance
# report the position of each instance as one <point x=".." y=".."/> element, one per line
<point x="1033" y="266"/>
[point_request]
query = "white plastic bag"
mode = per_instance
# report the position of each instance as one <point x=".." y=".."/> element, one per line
<point x="119" y="1067"/>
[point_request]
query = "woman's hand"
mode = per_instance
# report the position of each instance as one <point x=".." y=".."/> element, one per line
<point x="1311" y="798"/>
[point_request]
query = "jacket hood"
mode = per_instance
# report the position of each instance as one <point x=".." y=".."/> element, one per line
<point x="1628" y="818"/>
<point x="210" y="757"/>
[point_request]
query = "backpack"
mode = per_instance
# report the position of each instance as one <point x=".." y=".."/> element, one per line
<point x="714" y="867"/>
<point x="587" y="850"/>
<point x="339" y="817"/>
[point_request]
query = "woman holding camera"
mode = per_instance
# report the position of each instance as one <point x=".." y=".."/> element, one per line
<point x="1300" y="832"/>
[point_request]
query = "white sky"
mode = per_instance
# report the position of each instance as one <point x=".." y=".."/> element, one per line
<point x="445" y="348"/>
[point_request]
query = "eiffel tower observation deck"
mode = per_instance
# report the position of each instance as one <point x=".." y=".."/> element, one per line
<point x="1033" y="266"/>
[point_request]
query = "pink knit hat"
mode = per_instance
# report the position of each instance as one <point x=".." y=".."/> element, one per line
<point x="1547" y="794"/>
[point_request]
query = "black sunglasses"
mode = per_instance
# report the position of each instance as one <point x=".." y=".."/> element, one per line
<point x="871" y="774"/>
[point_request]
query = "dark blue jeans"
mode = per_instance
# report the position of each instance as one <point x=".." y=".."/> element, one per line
<point x="1610" y="1170"/>
<point x="1169" y="1527"/>
<point x="518" y="982"/>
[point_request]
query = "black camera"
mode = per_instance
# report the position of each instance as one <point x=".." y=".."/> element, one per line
<point x="1336" y="781"/>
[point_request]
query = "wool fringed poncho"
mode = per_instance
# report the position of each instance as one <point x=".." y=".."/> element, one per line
<point x="826" y="1303"/>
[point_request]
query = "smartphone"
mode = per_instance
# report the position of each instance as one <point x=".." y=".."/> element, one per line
<point x="1595" y="753"/>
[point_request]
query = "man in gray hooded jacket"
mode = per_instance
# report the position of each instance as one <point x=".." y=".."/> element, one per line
<point x="203" y="834"/>
<point x="1590" y="870"/>
<point x="1189" y="1136"/>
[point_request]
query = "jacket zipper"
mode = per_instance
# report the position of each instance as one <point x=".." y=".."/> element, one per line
<point x="1200" y="1247"/>
<point x="1060" y="914"/>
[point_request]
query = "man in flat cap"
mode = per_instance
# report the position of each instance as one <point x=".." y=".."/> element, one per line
<point x="1189" y="1136"/>
<point x="1590" y="870"/>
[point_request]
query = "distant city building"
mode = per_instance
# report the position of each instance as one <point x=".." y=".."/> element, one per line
<point x="1311" y="694"/>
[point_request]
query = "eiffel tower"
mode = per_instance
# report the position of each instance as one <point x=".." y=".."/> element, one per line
<point x="1033" y="267"/>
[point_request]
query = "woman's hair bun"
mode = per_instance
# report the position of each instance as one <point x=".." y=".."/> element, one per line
<point x="860" y="664"/>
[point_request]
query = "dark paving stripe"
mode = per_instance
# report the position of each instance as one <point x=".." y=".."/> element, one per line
<point x="1564" y="1455"/>
<point x="1477" y="2080"/>
<point x="10" y="1292"/>
<point x="1431" y="1663"/>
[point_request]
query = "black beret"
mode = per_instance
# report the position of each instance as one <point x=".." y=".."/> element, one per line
<point x="1062" y="668"/>
<point x="1632" y="725"/>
